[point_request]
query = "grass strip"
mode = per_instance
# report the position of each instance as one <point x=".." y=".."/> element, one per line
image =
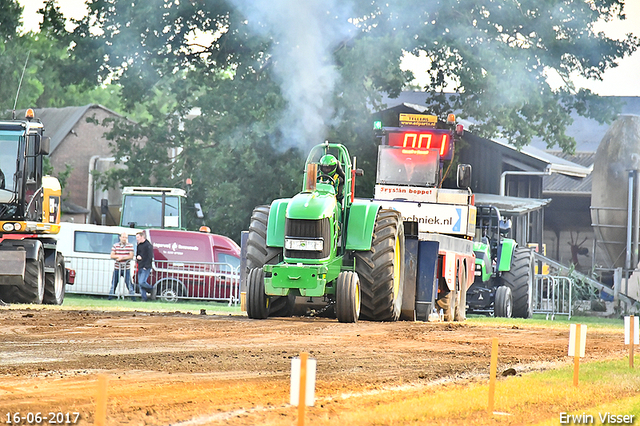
<point x="537" y="398"/>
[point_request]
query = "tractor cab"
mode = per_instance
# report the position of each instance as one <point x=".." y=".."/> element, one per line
<point x="492" y="233"/>
<point x="329" y="171"/>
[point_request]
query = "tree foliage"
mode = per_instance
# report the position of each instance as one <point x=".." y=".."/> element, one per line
<point x="40" y="65"/>
<point x="236" y="91"/>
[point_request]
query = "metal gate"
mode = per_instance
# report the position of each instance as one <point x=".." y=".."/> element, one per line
<point x="173" y="280"/>
<point x="552" y="296"/>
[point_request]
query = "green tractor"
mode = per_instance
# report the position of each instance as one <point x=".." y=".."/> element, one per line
<point x="504" y="273"/>
<point x="323" y="243"/>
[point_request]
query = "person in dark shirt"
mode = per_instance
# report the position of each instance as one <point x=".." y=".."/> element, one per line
<point x="145" y="259"/>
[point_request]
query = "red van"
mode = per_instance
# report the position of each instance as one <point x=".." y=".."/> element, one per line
<point x="194" y="265"/>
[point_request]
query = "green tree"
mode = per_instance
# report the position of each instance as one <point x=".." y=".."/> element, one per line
<point x="273" y="78"/>
<point x="41" y="65"/>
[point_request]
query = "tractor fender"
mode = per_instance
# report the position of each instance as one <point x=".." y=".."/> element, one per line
<point x="276" y="222"/>
<point x="505" y="254"/>
<point x="360" y="224"/>
<point x="30" y="245"/>
<point x="483" y="258"/>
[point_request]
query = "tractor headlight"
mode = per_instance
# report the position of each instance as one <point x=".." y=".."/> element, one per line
<point x="299" y="244"/>
<point x="8" y="227"/>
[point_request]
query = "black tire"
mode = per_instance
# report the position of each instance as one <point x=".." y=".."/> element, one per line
<point x="381" y="269"/>
<point x="461" y="311"/>
<point x="520" y="279"/>
<point x="257" y="301"/>
<point x="54" y="284"/>
<point x="32" y="290"/>
<point x="282" y="306"/>
<point x="503" y="305"/>
<point x="258" y="255"/>
<point x="348" y="297"/>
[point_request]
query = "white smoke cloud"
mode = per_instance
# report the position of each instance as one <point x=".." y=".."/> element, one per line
<point x="305" y="32"/>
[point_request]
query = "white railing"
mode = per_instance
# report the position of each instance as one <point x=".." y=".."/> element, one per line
<point x="552" y="296"/>
<point x="173" y="280"/>
<point x="195" y="280"/>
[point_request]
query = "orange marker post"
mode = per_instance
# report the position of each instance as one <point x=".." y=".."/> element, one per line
<point x="101" y="401"/>
<point x="302" y="399"/>
<point x="492" y="373"/>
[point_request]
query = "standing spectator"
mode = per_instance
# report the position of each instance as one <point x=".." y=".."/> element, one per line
<point x="145" y="259"/>
<point x="122" y="252"/>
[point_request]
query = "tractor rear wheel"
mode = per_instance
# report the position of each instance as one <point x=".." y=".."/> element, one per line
<point x="381" y="269"/>
<point x="54" y="285"/>
<point x="520" y="279"/>
<point x="257" y="301"/>
<point x="503" y="302"/>
<point x="258" y="255"/>
<point x="348" y="297"/>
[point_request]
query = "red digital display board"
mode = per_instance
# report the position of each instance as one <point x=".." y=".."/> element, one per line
<point x="437" y="139"/>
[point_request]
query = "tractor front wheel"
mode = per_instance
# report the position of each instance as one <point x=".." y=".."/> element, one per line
<point x="348" y="297"/>
<point x="381" y="269"/>
<point x="503" y="302"/>
<point x="257" y="300"/>
<point x="259" y="254"/>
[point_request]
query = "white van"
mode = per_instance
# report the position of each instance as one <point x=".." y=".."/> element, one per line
<point x="87" y="250"/>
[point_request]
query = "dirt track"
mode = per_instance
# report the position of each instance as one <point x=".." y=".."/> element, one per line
<point x="170" y="368"/>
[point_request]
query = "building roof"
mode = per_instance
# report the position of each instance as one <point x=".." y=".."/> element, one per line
<point x="511" y="206"/>
<point x="587" y="132"/>
<point x="58" y="122"/>
<point x="555" y="163"/>
<point x="568" y="185"/>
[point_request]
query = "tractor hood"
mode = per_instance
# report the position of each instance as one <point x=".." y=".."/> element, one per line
<point x="312" y="205"/>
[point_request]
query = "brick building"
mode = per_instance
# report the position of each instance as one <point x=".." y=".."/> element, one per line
<point x="82" y="145"/>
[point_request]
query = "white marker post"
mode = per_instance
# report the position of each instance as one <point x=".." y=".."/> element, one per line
<point x="303" y="383"/>
<point x="631" y="328"/>
<point x="577" y="344"/>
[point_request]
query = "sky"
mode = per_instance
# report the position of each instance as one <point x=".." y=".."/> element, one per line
<point x="623" y="80"/>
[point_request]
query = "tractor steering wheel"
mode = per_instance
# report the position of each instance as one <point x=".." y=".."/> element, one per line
<point x="331" y="180"/>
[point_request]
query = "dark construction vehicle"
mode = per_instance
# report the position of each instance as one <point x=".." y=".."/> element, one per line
<point x="504" y="273"/>
<point x="352" y="253"/>
<point x="33" y="270"/>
